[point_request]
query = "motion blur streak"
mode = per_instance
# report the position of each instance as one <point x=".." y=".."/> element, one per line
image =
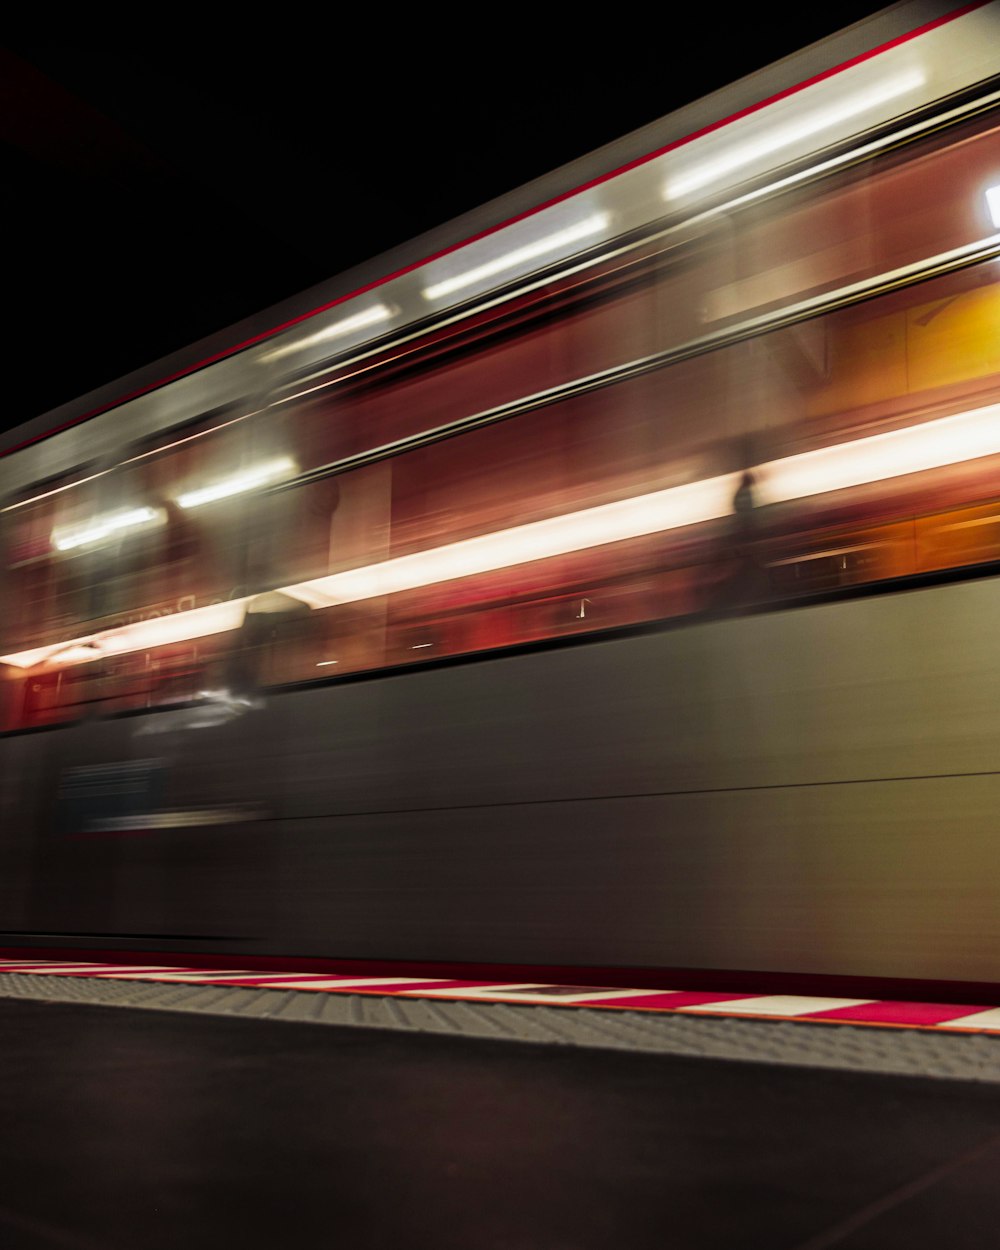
<point x="917" y="448"/>
<point x="993" y="203"/>
<point x="377" y="314"/>
<point x="100" y="528"/>
<point x="217" y="618"/>
<point x="250" y="479"/>
<point x="743" y="459"/>
<point x="934" y="444"/>
<point x="548" y="244"/>
<point x="539" y="540"/>
<point x="811" y="118"/>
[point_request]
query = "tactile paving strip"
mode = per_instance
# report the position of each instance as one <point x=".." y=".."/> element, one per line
<point x="923" y="1052"/>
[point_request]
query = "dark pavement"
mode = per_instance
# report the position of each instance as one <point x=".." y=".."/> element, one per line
<point x="130" y="1129"/>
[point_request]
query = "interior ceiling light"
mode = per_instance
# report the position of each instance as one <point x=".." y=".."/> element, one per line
<point x="595" y="224"/>
<point x="538" y="540"/>
<point x="158" y="631"/>
<point x="375" y="315"/>
<point x="100" y="528"/>
<point x="264" y="474"/>
<point x="913" y="449"/>
<point x="807" y="123"/>
<point x="930" y="445"/>
<point x="993" y="203"/>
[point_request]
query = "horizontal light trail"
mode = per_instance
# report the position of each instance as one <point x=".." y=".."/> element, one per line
<point x="159" y="631"/>
<point x="806" y="123"/>
<point x="264" y="474"/>
<point x="913" y="449"/>
<point x="932" y="444"/>
<point x="993" y="204"/>
<point x="549" y="244"/>
<point x="377" y="314"/>
<point x="523" y="544"/>
<point x="100" y="528"/>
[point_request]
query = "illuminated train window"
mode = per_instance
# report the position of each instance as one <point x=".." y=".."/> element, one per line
<point x="792" y="394"/>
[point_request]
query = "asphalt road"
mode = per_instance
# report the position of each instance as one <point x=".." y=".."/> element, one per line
<point x="131" y="1129"/>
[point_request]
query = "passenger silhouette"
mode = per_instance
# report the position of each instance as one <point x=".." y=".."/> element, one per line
<point x="743" y="581"/>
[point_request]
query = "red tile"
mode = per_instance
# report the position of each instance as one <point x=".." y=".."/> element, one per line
<point x="666" y="1002"/>
<point x="896" y="1013"/>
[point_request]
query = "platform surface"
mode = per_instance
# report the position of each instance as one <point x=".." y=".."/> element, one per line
<point x="134" y="1128"/>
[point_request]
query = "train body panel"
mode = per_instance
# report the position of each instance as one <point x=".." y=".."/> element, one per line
<point x="708" y="796"/>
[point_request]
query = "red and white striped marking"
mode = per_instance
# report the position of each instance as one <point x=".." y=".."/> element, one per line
<point x="979" y="1018"/>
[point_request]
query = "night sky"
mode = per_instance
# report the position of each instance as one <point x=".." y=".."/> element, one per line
<point x="161" y="193"/>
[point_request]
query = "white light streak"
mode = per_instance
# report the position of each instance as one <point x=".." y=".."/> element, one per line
<point x="914" y="449"/>
<point x="80" y="653"/>
<point x="249" y="479"/>
<point x="375" y="315"/>
<point x="993" y="203"/>
<point x="808" y="124"/>
<point x="158" y="631"/>
<point x="539" y="540"/>
<point x="100" y="528"/>
<point x="596" y="224"/>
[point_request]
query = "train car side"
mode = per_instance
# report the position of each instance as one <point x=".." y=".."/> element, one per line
<point x="809" y="791"/>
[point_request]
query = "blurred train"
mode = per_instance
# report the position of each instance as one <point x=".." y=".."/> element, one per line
<point x="606" y="581"/>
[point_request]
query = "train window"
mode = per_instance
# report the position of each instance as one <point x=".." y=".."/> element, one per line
<point x="798" y="398"/>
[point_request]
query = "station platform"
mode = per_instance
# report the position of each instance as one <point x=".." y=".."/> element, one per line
<point x="214" y="1108"/>
<point x="945" y="1039"/>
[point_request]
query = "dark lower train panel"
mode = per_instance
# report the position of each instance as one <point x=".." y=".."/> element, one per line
<point x="802" y="793"/>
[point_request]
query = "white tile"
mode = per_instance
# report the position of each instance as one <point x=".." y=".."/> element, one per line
<point x="553" y="1000"/>
<point x="335" y="983"/>
<point x="778" y="1005"/>
<point x="491" y="991"/>
<point x="124" y="971"/>
<point x="988" y="1019"/>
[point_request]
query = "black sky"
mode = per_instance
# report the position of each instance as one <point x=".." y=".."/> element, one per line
<point x="162" y="192"/>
